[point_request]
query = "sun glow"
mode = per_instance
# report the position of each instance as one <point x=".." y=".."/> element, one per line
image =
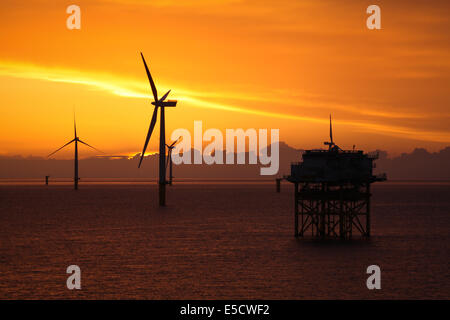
<point x="232" y="64"/>
<point x="133" y="88"/>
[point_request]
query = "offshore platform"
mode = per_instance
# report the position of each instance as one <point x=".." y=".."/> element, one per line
<point x="332" y="191"/>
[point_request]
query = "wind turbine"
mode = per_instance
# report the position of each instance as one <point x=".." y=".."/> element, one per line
<point x="169" y="159"/>
<point x="331" y="145"/>
<point x="158" y="103"/>
<point x="76" y="140"/>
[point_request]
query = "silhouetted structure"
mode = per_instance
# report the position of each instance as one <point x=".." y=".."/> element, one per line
<point x="332" y="191"/>
<point x="76" y="140"/>
<point x="46" y="180"/>
<point x="169" y="159"/>
<point x="278" y="184"/>
<point x="162" y="134"/>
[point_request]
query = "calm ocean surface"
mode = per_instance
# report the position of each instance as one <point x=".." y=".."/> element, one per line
<point x="214" y="241"/>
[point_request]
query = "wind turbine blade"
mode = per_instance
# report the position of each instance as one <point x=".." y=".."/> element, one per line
<point x="74" y="124"/>
<point x="152" y="84"/>
<point x="331" y="131"/>
<point x="149" y="134"/>
<point x="61" y="147"/>
<point x="90" y="146"/>
<point x="164" y="96"/>
<point x="174" y="142"/>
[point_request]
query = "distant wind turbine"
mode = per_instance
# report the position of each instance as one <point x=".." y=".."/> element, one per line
<point x="76" y="140"/>
<point x="331" y="145"/>
<point x="162" y="134"/>
<point x="169" y="159"/>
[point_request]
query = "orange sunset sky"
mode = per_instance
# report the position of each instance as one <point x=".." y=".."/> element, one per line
<point x="233" y="64"/>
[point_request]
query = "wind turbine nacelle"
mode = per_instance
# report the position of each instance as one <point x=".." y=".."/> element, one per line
<point x="168" y="103"/>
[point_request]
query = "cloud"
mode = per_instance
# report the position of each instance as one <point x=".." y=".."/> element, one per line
<point x="131" y="88"/>
<point x="174" y="3"/>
